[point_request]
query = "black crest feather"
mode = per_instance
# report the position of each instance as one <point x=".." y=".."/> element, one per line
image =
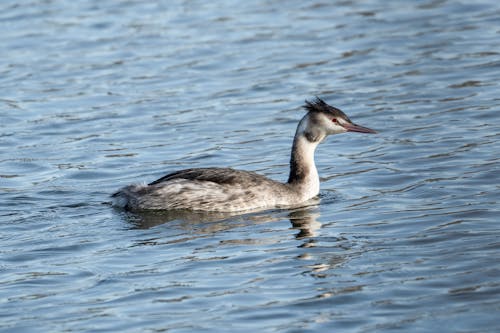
<point x="319" y="105"/>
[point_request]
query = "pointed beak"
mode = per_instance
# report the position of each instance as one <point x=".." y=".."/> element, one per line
<point x="351" y="127"/>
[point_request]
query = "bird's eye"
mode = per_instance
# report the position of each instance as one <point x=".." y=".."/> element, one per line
<point x="334" y="120"/>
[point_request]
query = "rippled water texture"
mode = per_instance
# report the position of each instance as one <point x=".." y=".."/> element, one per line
<point x="98" y="94"/>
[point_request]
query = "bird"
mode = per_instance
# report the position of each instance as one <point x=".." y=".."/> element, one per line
<point x="231" y="191"/>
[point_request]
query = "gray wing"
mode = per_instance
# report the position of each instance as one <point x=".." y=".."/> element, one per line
<point x="223" y="176"/>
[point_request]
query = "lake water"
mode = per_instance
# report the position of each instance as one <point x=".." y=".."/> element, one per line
<point x="96" y="95"/>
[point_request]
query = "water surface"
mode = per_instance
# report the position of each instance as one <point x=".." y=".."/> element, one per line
<point x="102" y="94"/>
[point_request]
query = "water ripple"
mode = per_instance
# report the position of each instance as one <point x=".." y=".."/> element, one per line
<point x="99" y="95"/>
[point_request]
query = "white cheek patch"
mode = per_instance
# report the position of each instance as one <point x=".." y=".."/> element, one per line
<point x="340" y="123"/>
<point x="336" y="126"/>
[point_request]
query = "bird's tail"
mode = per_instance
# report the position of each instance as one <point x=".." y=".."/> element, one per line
<point x="127" y="197"/>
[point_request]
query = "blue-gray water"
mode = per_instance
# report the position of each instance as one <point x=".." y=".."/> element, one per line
<point x="95" y="95"/>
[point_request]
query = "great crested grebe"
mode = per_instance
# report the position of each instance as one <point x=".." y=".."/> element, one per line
<point x="229" y="190"/>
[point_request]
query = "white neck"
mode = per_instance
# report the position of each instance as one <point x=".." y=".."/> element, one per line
<point x="303" y="173"/>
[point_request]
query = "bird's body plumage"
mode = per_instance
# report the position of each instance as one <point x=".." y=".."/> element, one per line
<point x="208" y="189"/>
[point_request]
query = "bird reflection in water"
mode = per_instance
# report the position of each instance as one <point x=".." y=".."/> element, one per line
<point x="303" y="219"/>
<point x="190" y="225"/>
